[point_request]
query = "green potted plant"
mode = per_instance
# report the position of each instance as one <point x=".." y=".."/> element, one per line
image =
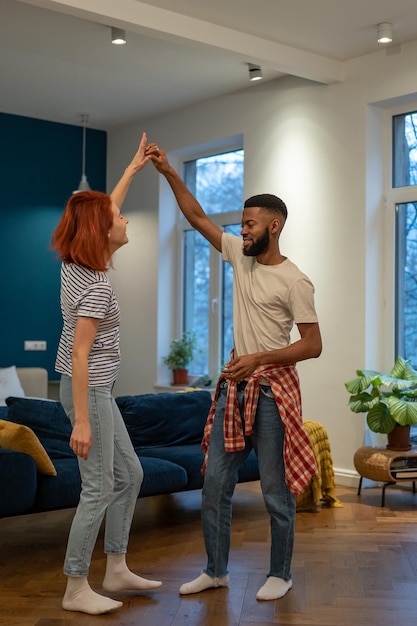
<point x="181" y="353"/>
<point x="389" y="400"/>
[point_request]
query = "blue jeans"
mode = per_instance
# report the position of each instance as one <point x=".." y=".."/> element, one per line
<point x="111" y="478"/>
<point x="221" y="477"/>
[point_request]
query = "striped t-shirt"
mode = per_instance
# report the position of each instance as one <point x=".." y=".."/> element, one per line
<point x="88" y="293"/>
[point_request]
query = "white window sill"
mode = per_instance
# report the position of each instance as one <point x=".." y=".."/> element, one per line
<point x="176" y="388"/>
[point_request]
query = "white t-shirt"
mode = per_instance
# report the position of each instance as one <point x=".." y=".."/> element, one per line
<point x="88" y="293"/>
<point x="267" y="300"/>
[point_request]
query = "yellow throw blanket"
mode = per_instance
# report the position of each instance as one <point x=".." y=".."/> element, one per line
<point x="322" y="487"/>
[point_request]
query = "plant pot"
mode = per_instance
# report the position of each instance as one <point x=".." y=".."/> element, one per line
<point x="180" y="377"/>
<point x="399" y="438"/>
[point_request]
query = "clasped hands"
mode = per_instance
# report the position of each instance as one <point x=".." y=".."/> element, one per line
<point x="157" y="156"/>
<point x="241" y="367"/>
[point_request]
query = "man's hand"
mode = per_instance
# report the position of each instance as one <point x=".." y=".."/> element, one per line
<point x="188" y="204"/>
<point x="158" y="157"/>
<point x="241" y="368"/>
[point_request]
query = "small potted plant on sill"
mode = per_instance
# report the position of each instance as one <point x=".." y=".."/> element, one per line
<point x="181" y="353"/>
<point x="389" y="400"/>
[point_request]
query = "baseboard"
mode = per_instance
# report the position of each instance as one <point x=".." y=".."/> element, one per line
<point x="347" y="478"/>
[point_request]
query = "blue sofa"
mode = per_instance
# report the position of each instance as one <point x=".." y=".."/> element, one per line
<point x="166" y="430"/>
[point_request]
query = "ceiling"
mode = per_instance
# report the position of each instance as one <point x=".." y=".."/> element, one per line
<point x="57" y="61"/>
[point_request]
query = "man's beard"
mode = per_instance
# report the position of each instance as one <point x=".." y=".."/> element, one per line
<point x="259" y="246"/>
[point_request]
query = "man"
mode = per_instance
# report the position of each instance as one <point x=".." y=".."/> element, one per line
<point x="257" y="403"/>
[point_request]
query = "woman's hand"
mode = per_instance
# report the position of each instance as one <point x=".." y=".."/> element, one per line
<point x="81" y="439"/>
<point x="138" y="162"/>
<point x="141" y="157"/>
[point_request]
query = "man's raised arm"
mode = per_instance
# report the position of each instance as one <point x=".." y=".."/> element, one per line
<point x="186" y="201"/>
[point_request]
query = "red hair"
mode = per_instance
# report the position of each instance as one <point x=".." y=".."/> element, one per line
<point x="82" y="235"/>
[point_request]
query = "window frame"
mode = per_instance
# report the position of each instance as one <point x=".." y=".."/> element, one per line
<point x="215" y="259"/>
<point x="394" y="197"/>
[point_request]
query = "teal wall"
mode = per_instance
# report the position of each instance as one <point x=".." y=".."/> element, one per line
<point x="40" y="165"/>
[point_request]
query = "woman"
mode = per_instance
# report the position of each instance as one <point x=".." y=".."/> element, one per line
<point x="88" y="234"/>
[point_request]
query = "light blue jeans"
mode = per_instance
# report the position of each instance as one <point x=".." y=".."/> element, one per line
<point x="220" y="480"/>
<point x="111" y="478"/>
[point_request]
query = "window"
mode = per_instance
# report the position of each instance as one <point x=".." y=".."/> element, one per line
<point x="405" y="150"/>
<point x="405" y="181"/>
<point x="217" y="183"/>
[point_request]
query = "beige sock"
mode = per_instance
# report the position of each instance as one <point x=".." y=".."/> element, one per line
<point x="274" y="588"/>
<point x="202" y="582"/>
<point x="80" y="597"/>
<point x="118" y="577"/>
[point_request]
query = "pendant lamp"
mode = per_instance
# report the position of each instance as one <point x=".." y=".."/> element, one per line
<point x="83" y="186"/>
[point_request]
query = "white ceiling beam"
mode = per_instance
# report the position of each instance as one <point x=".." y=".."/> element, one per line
<point x="140" y="17"/>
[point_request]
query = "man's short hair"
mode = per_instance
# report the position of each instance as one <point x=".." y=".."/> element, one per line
<point x="268" y="202"/>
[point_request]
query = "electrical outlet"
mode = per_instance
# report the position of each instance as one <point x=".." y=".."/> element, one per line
<point x="35" y="345"/>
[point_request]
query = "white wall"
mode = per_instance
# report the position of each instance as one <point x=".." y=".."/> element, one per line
<point x="321" y="149"/>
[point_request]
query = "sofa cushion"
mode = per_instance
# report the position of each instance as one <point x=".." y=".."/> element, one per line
<point x="18" y="482"/>
<point x="23" y="439"/>
<point x="48" y="421"/>
<point x="62" y="491"/>
<point x="161" y="476"/>
<point x="190" y="457"/>
<point x="10" y="384"/>
<point x="4" y="412"/>
<point x="165" y="419"/>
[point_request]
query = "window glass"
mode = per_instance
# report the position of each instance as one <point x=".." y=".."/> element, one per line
<point x="406" y="280"/>
<point x="197" y="296"/>
<point x="217" y="181"/>
<point x="405" y="150"/>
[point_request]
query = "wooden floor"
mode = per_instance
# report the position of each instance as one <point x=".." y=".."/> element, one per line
<point x="355" y="565"/>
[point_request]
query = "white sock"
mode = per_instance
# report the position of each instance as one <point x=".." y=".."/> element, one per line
<point x="202" y="582"/>
<point x="274" y="588"/>
<point x="118" y="577"/>
<point x="80" y="597"/>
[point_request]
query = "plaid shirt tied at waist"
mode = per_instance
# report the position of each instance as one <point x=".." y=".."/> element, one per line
<point x="299" y="460"/>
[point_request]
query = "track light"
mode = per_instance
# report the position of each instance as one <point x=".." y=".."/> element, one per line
<point x="255" y="72"/>
<point x="118" y="36"/>
<point x="384" y="30"/>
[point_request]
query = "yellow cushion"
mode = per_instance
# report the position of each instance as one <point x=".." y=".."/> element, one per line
<point x="23" y="439"/>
